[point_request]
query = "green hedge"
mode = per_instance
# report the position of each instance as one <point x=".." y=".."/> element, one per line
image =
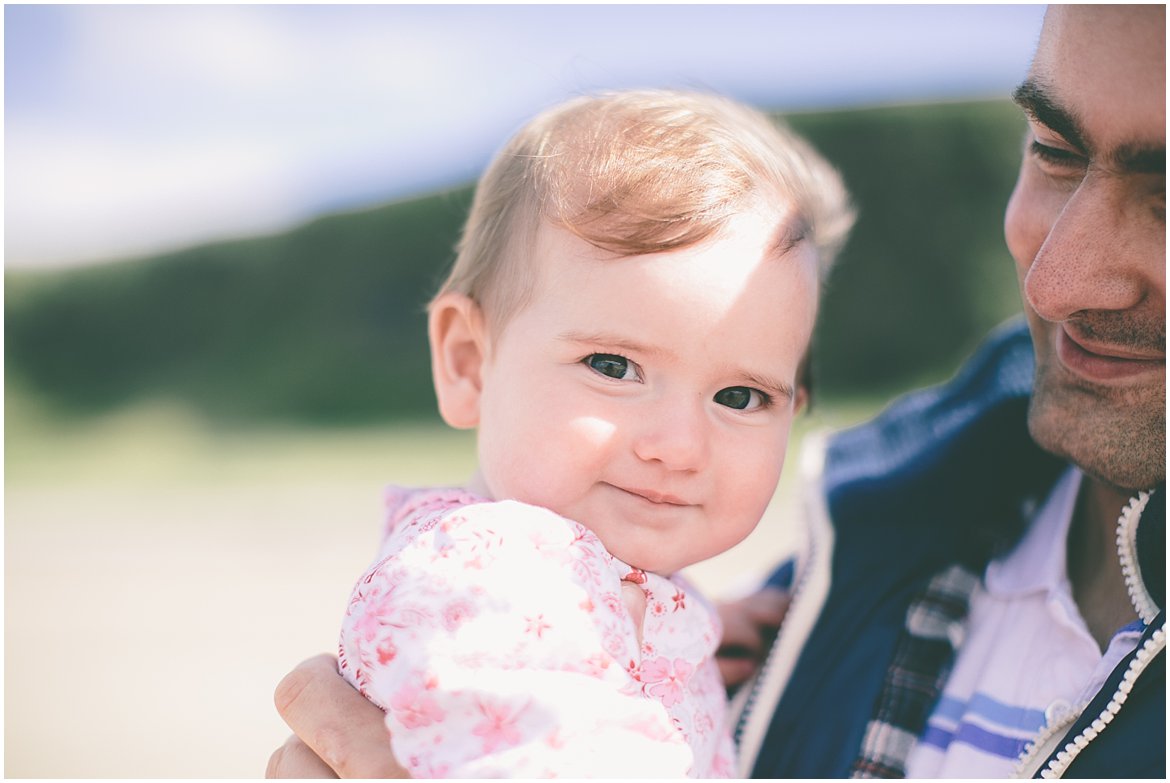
<point x="325" y="323"/>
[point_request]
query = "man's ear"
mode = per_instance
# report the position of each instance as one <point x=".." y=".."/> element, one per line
<point x="459" y="341"/>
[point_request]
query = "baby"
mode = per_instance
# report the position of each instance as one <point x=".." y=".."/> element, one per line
<point x="626" y="325"/>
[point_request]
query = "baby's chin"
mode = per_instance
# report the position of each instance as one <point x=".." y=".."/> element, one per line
<point x="647" y="555"/>
<point x="654" y="562"/>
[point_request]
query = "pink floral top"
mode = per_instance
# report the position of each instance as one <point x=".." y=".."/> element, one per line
<point x="494" y="636"/>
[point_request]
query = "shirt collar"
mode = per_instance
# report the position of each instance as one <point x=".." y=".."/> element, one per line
<point x="1035" y="563"/>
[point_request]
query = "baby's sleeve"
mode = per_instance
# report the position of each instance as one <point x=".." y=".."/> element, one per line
<point x="498" y="645"/>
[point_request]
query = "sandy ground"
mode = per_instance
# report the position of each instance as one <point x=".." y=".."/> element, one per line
<point x="150" y="611"/>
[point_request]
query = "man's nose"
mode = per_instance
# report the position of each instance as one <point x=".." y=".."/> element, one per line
<point x="1093" y="257"/>
<point x="674" y="432"/>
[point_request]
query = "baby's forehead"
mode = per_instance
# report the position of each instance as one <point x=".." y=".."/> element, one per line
<point x="736" y="255"/>
<point x="561" y="267"/>
<point x="784" y="227"/>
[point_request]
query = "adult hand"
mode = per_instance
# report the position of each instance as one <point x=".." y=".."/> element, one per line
<point x="749" y="628"/>
<point x="338" y="732"/>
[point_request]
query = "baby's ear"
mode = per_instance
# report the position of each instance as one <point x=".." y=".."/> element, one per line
<point x="458" y="338"/>
<point x="802" y="399"/>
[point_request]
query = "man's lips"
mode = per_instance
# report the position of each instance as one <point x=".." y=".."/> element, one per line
<point x="1096" y="361"/>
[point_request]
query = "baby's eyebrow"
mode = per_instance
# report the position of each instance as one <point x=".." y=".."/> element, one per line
<point x="771" y="385"/>
<point x="615" y="341"/>
<point x="791" y="234"/>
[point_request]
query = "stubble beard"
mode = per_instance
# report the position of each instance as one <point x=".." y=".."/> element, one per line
<point x="1116" y="435"/>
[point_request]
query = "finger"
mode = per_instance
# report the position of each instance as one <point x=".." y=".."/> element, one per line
<point x="634" y="599"/>
<point x="294" y="759"/>
<point x="741" y="631"/>
<point x="768" y="606"/>
<point x="736" y="671"/>
<point x="337" y="723"/>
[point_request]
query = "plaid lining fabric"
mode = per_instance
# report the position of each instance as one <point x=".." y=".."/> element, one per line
<point x="935" y="627"/>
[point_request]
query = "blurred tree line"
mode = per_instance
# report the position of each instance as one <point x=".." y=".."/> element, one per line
<point x="326" y="323"/>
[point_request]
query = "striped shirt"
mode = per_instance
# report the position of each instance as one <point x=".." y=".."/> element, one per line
<point x="1028" y="658"/>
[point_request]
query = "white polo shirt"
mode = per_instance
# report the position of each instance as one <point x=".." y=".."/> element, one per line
<point x="1028" y="658"/>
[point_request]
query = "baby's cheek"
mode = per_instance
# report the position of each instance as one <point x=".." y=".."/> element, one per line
<point x="556" y="462"/>
<point x="754" y="484"/>
<point x="591" y="434"/>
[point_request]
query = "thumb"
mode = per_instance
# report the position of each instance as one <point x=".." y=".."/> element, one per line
<point x="634" y="599"/>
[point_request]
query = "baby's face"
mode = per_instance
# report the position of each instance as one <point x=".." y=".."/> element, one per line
<point x="650" y="398"/>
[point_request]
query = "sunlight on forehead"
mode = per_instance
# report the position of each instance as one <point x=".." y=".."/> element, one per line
<point x="747" y="298"/>
<point x="729" y="266"/>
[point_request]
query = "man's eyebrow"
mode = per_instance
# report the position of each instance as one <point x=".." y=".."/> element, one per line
<point x="1135" y="158"/>
<point x="1040" y="106"/>
<point x="1141" y="159"/>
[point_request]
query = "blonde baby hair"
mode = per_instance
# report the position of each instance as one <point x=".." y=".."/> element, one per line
<point x="637" y="172"/>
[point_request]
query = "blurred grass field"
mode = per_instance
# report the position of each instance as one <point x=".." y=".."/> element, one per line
<point x="162" y="575"/>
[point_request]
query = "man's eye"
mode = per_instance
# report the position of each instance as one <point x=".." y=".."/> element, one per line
<point x="612" y="366"/>
<point x="1055" y="157"/>
<point x="742" y="398"/>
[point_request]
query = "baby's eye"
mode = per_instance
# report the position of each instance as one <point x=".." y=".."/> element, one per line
<point x="742" y="398"/>
<point x="612" y="366"/>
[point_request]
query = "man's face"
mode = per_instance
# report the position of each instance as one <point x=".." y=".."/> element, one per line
<point x="650" y="397"/>
<point x="1086" y="225"/>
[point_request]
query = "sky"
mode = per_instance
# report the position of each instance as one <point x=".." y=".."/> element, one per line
<point x="130" y="130"/>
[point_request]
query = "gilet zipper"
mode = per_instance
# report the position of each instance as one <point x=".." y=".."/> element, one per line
<point x="1147" y="610"/>
<point x="808" y="595"/>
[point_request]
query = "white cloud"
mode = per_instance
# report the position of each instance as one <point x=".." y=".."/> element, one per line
<point x="169" y="124"/>
<point x="70" y="198"/>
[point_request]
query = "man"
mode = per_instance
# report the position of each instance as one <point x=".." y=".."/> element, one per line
<point x="979" y="593"/>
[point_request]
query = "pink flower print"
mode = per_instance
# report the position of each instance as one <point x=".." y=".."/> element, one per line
<point x="554" y="740"/>
<point x="366" y="626"/>
<point x="613" y="603"/>
<point x="536" y="625"/>
<point x="653" y="730"/>
<point x="665" y="679"/>
<point x="456" y="613"/>
<point x="419" y="768"/>
<point x="680" y="600"/>
<point x="613" y="643"/>
<point x="648" y="649"/>
<point x="636" y="576"/>
<point x="386" y="652"/>
<point x="371" y="618"/>
<point x="414" y="707"/>
<point x="596" y="663"/>
<point x="580" y="537"/>
<point x="634" y="670"/>
<point x="585" y="568"/>
<point x="550" y="544"/>
<point x="658" y="609"/>
<point x="498" y="727"/>
<point x="704" y="723"/>
<point x="443" y="546"/>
